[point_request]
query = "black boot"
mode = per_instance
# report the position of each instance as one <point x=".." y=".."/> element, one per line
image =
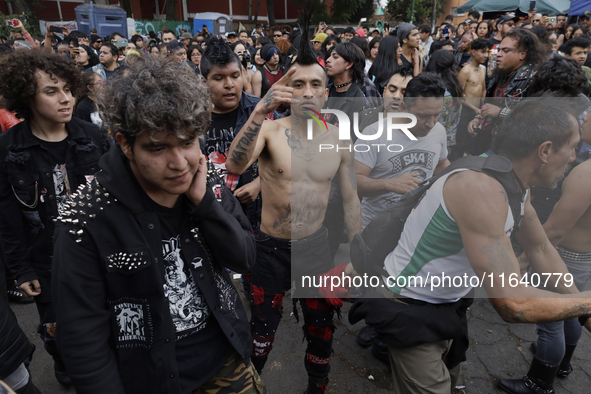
<point x="380" y="350"/>
<point x="565" y="368"/>
<point x="366" y="336"/>
<point x="538" y="380"/>
<point x="316" y="386"/>
<point x="60" y="373"/>
<point x="29" y="388"/>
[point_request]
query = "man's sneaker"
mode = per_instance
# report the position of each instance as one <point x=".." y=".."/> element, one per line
<point x="366" y="336"/>
<point x="15" y="295"/>
<point x="60" y="373"/>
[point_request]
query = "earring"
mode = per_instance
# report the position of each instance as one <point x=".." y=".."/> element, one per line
<point x="543" y="164"/>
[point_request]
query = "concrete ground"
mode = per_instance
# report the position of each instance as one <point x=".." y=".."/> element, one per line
<point x="497" y="349"/>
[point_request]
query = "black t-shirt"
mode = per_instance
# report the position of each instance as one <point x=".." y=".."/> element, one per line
<point x="84" y="108"/>
<point x="222" y="131"/>
<point x="465" y="58"/>
<point x="334" y="93"/>
<point x="201" y="346"/>
<point x="57" y="153"/>
<point x="109" y="73"/>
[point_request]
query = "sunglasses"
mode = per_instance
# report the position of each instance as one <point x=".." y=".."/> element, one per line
<point x="277" y="35"/>
<point x="511" y="24"/>
<point x="99" y="41"/>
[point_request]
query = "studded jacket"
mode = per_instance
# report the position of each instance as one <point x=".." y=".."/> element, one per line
<point x="108" y="259"/>
<point x="27" y="191"/>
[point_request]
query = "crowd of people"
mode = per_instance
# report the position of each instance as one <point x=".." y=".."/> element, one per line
<point x="137" y="174"/>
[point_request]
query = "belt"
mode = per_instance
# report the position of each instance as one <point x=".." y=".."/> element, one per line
<point x="310" y="242"/>
<point x="567" y="254"/>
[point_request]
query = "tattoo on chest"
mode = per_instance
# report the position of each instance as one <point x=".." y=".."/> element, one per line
<point x="295" y="143"/>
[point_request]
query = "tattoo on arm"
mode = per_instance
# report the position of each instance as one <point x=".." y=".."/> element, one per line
<point x="504" y="194"/>
<point x="243" y="145"/>
<point x="268" y="98"/>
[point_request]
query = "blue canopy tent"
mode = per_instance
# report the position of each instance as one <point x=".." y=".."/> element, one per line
<point x="577" y="7"/>
<point x="550" y="7"/>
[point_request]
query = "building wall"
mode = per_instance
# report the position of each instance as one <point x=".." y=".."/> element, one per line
<point x="447" y="11"/>
<point x="239" y="11"/>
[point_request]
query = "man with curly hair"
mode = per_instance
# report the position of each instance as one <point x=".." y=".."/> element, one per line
<point x="45" y="158"/>
<point x="141" y="254"/>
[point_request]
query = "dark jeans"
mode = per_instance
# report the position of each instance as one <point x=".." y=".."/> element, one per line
<point x="47" y="326"/>
<point x="271" y="277"/>
<point x="555" y="336"/>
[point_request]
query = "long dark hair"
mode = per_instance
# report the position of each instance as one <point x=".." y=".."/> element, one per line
<point x="362" y="44"/>
<point x="386" y="63"/>
<point x="332" y="37"/>
<point x="442" y="63"/>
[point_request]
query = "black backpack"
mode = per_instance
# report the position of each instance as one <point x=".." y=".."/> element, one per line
<point x="370" y="248"/>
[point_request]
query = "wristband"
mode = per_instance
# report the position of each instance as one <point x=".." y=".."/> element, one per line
<point x="583" y="319"/>
<point x="504" y="112"/>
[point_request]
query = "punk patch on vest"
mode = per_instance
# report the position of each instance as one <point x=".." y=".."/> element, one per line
<point x="134" y="323"/>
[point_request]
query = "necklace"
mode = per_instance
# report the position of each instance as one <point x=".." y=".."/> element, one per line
<point x="520" y="185"/>
<point x="343" y="84"/>
<point x="274" y="72"/>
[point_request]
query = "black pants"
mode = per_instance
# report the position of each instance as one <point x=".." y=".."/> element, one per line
<point x="271" y="277"/>
<point x="47" y="326"/>
<point x="464" y="141"/>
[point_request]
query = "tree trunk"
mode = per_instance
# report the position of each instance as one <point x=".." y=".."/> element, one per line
<point x="170" y="10"/>
<point x="434" y="16"/>
<point x="270" y="12"/>
<point x="249" y="11"/>
<point x="27" y="6"/>
<point x="256" y="11"/>
<point x="126" y="5"/>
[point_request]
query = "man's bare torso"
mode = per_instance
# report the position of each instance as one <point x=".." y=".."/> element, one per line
<point x="578" y="239"/>
<point x="475" y="88"/>
<point x="295" y="179"/>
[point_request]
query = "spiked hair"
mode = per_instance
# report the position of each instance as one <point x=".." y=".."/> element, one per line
<point x="306" y="54"/>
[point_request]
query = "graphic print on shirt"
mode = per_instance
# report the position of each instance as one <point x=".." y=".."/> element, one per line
<point x="415" y="160"/>
<point x="188" y="308"/>
<point x="218" y="145"/>
<point x="130" y="320"/>
<point x="62" y="186"/>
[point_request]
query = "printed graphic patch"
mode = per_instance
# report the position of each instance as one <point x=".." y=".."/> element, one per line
<point x="187" y="304"/>
<point x="261" y="345"/>
<point x="134" y="324"/>
<point x="317" y="360"/>
<point x="50" y="329"/>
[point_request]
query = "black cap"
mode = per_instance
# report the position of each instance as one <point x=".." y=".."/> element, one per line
<point x="506" y="18"/>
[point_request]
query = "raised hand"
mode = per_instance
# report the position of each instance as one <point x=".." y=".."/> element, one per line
<point x="280" y="93"/>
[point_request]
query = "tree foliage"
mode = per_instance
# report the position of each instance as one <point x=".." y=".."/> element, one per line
<point x="342" y="11"/>
<point x="400" y="10"/>
<point x="31" y="24"/>
<point x="365" y="10"/>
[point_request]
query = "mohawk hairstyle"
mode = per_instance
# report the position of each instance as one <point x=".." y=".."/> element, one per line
<point x="217" y="53"/>
<point x="306" y="54"/>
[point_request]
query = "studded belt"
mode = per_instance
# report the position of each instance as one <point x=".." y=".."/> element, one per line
<point x="573" y="256"/>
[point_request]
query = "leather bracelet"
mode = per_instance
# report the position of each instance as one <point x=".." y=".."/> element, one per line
<point x="583" y="319"/>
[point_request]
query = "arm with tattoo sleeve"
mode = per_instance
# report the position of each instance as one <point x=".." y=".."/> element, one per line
<point x="247" y="145"/>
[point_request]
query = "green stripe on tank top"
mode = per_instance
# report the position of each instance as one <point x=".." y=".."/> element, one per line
<point x="441" y="238"/>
